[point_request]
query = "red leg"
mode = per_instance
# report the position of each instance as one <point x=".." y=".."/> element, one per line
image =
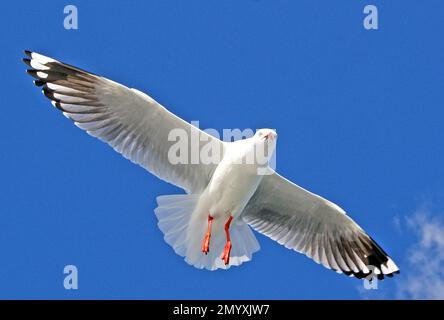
<point x="206" y="239"/>
<point x="226" y="253"/>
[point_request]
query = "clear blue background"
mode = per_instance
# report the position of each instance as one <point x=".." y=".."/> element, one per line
<point x="359" y="115"/>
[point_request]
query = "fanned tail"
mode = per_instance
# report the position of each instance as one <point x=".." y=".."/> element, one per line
<point x="183" y="230"/>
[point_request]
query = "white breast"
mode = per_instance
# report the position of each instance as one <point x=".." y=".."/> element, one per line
<point x="233" y="182"/>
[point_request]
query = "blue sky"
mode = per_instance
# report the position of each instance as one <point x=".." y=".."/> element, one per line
<point x="359" y="116"/>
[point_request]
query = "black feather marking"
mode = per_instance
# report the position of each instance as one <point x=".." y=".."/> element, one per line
<point x="69" y="69"/>
<point x="58" y="106"/>
<point x="39" y="83"/>
<point x="52" y="76"/>
<point x="381" y="253"/>
<point x="49" y="94"/>
<point x="376" y="257"/>
<point x="75" y="85"/>
<point x="27" y="62"/>
<point x="33" y="73"/>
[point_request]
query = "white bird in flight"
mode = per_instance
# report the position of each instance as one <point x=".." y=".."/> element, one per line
<point x="210" y="225"/>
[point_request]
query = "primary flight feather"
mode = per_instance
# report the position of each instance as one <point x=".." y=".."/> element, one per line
<point x="210" y="225"/>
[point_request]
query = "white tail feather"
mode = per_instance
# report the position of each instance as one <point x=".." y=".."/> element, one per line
<point x="185" y="234"/>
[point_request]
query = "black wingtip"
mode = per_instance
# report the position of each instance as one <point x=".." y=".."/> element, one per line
<point x="32" y="73"/>
<point x="59" y="106"/>
<point x="27" y="62"/>
<point x="39" y="83"/>
<point x="49" y="94"/>
<point x="28" y="53"/>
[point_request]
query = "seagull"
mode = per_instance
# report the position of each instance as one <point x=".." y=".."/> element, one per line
<point x="210" y="224"/>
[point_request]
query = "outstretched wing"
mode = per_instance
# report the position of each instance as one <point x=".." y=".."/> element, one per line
<point x="309" y="224"/>
<point x="131" y="122"/>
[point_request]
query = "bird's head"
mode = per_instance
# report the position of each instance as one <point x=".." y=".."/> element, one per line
<point x="266" y="135"/>
<point x="266" y="138"/>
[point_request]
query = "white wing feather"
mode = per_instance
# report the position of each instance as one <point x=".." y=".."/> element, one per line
<point x="316" y="227"/>
<point x="130" y="121"/>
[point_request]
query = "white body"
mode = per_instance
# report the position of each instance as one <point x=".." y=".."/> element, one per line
<point x="233" y="183"/>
